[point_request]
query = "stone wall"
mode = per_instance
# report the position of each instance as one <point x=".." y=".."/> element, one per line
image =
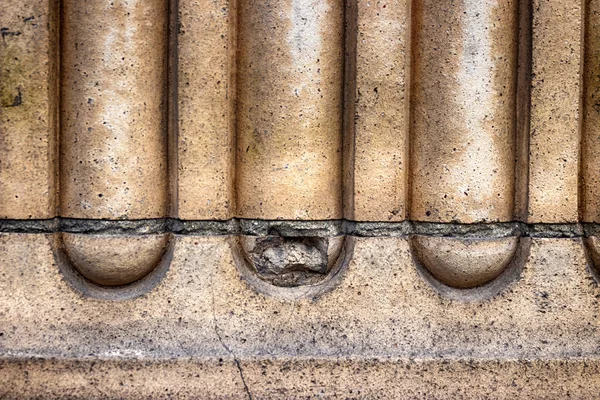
<point x="299" y="199"/>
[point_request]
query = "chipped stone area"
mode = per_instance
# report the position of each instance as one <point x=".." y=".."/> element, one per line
<point x="288" y="262"/>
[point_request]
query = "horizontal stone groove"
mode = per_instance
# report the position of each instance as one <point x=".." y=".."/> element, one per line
<point x="255" y="227"/>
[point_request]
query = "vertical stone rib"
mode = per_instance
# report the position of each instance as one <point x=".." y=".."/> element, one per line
<point x="289" y="113"/>
<point x="380" y="167"/>
<point x="206" y="109"/>
<point x="289" y="138"/>
<point x="463" y="132"/>
<point x="590" y="138"/>
<point x="590" y="143"/>
<point x="28" y="109"/>
<point x="114" y="130"/>
<point x="555" y="111"/>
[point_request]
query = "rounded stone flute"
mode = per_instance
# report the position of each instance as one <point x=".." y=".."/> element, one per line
<point x="114" y="132"/>
<point x="463" y="132"/>
<point x="289" y="128"/>
<point x="289" y="113"/>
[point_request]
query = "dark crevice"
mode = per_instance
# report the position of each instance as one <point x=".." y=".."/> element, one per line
<point x="283" y="228"/>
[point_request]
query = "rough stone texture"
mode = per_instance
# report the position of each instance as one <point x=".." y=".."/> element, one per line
<point x="304" y="379"/>
<point x="302" y="308"/>
<point x="380" y="122"/>
<point x="590" y="140"/>
<point x="464" y="263"/>
<point x="289" y="113"/>
<point x="463" y="110"/>
<point x="206" y="156"/>
<point x="291" y="261"/>
<point x="114" y="260"/>
<point x="28" y="111"/>
<point x="555" y="111"/>
<point x="382" y="330"/>
<point x="114" y="132"/>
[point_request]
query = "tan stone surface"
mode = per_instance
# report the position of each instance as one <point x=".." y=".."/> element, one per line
<point x="28" y="68"/>
<point x="555" y="111"/>
<point x="114" y="133"/>
<point x="289" y="113"/>
<point x="114" y="260"/>
<point x="304" y="379"/>
<point x="590" y="140"/>
<point x="380" y="164"/>
<point x="381" y="310"/>
<point x="463" y="134"/>
<point x="206" y="52"/>
<point x="464" y="263"/>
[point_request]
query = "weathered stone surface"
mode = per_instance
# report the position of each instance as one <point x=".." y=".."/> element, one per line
<point x="302" y="379"/>
<point x="378" y="130"/>
<point x="291" y="261"/>
<point x="205" y="113"/>
<point x="114" y="110"/>
<point x="28" y="109"/>
<point x="380" y="320"/>
<point x="590" y="135"/>
<point x="464" y="263"/>
<point x="463" y="110"/>
<point x="555" y="111"/>
<point x="289" y="109"/>
<point x="114" y="260"/>
<point x="248" y="97"/>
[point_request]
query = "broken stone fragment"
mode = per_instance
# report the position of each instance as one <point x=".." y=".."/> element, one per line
<point x="291" y="261"/>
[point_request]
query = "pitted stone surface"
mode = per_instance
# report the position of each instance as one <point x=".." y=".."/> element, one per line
<point x="463" y="110"/>
<point x="289" y="109"/>
<point x="555" y="111"/>
<point x="381" y="310"/>
<point x="114" y="110"/>
<point x="205" y="109"/>
<point x="28" y="110"/>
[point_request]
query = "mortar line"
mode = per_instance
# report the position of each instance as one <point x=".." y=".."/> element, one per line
<point x="297" y="228"/>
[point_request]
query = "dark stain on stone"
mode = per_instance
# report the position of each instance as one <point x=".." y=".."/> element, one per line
<point x="7" y="32"/>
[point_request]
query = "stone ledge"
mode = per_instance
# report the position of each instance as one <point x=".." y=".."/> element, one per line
<point x="538" y="337"/>
<point x="300" y="379"/>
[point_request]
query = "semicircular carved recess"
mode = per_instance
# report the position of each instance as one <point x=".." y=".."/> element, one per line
<point x="113" y="149"/>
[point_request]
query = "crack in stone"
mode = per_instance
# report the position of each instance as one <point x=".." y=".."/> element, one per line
<point x="224" y="345"/>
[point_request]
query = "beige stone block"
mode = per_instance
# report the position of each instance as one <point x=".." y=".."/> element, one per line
<point x="382" y="329"/>
<point x="590" y="139"/>
<point x="114" y="133"/>
<point x="206" y="125"/>
<point x="379" y="126"/>
<point x="289" y="109"/>
<point x="463" y="106"/>
<point x="301" y="379"/>
<point x="114" y="125"/>
<point x="28" y="109"/>
<point x="555" y="111"/>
